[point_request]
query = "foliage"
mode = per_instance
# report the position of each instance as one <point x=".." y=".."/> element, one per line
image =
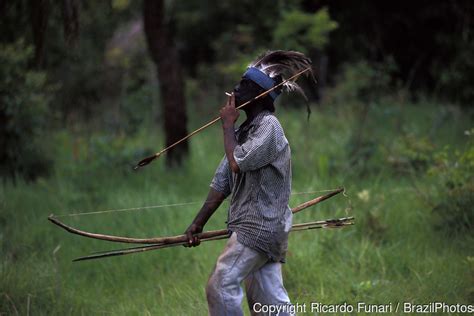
<point x="453" y="171"/>
<point x="301" y="31"/>
<point x="455" y="78"/>
<point x="357" y="139"/>
<point x="362" y="81"/>
<point x="432" y="45"/>
<point x="391" y="254"/>
<point x="25" y="97"/>
<point x="210" y="32"/>
<point x="360" y="89"/>
<point x="86" y="71"/>
<point x="113" y="152"/>
<point x="231" y="33"/>
<point x="130" y="94"/>
<point x="410" y="153"/>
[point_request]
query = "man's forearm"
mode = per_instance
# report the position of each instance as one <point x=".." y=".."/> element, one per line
<point x="213" y="201"/>
<point x="230" y="142"/>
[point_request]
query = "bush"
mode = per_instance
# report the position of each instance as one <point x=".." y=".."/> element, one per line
<point x="362" y="81"/>
<point x="410" y="153"/>
<point x="360" y="88"/>
<point x="24" y="102"/>
<point x="454" y="174"/>
<point x="299" y="31"/>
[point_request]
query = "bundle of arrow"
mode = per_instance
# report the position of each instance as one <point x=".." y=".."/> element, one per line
<point x="164" y="242"/>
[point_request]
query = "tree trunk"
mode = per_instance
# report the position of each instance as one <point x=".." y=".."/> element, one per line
<point x="39" y="22"/>
<point x="71" y="21"/>
<point x="170" y="78"/>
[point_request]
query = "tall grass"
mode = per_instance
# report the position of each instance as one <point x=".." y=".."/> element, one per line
<point x="392" y="254"/>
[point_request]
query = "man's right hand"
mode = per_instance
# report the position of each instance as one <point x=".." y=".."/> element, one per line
<point x="191" y="234"/>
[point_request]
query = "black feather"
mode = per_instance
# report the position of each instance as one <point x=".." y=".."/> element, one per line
<point x="285" y="64"/>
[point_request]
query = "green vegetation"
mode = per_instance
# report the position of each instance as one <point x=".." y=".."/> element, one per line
<point x="82" y="99"/>
<point x="24" y="97"/>
<point x="394" y="253"/>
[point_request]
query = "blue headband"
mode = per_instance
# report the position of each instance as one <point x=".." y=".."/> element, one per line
<point x="261" y="79"/>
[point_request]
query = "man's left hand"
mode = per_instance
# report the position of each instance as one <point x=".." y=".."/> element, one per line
<point x="229" y="114"/>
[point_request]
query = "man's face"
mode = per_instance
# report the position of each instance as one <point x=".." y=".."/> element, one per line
<point x="246" y="90"/>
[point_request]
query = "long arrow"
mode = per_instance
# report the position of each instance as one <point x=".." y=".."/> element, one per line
<point x="149" y="159"/>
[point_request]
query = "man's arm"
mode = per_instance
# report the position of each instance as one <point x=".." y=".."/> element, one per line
<point x="229" y="116"/>
<point x="213" y="201"/>
<point x="262" y="146"/>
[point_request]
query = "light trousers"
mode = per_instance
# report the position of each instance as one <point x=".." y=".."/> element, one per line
<point x="263" y="282"/>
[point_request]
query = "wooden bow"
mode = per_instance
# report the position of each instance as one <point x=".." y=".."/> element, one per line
<point x="156" y="240"/>
<point x="216" y="235"/>
<point x="164" y="242"/>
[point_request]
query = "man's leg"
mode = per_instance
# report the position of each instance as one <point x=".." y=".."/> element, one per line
<point x="224" y="294"/>
<point x="265" y="287"/>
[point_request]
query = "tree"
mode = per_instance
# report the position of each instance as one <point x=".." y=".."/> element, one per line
<point x="24" y="102"/>
<point x="71" y="21"/>
<point x="39" y="21"/>
<point x="170" y="78"/>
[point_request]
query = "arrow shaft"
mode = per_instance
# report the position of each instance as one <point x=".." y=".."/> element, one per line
<point x="149" y="159"/>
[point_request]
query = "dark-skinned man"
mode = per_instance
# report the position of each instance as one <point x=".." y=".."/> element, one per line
<point x="256" y="173"/>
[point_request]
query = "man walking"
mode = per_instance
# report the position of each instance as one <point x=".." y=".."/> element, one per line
<point x="256" y="172"/>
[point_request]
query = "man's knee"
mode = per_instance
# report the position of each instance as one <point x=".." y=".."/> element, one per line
<point x="214" y="286"/>
<point x="211" y="289"/>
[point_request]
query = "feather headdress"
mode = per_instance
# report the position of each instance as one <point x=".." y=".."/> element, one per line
<point x="279" y="65"/>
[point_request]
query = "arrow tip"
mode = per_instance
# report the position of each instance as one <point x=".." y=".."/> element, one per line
<point x="145" y="162"/>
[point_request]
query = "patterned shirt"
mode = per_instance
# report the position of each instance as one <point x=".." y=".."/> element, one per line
<point x="259" y="210"/>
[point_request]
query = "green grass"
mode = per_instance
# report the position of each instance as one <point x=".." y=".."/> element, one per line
<point x="392" y="254"/>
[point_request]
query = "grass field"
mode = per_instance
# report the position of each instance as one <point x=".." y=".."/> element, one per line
<point x="392" y="254"/>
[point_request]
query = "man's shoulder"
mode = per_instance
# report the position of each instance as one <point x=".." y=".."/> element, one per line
<point x="269" y="119"/>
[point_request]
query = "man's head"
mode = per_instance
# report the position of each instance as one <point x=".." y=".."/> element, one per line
<point x="267" y="71"/>
<point x="248" y="88"/>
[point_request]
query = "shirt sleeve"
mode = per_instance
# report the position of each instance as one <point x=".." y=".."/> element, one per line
<point x="222" y="180"/>
<point x="262" y="146"/>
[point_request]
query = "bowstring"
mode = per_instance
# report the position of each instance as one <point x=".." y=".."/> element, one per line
<point x="130" y="209"/>
<point x="347" y="210"/>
